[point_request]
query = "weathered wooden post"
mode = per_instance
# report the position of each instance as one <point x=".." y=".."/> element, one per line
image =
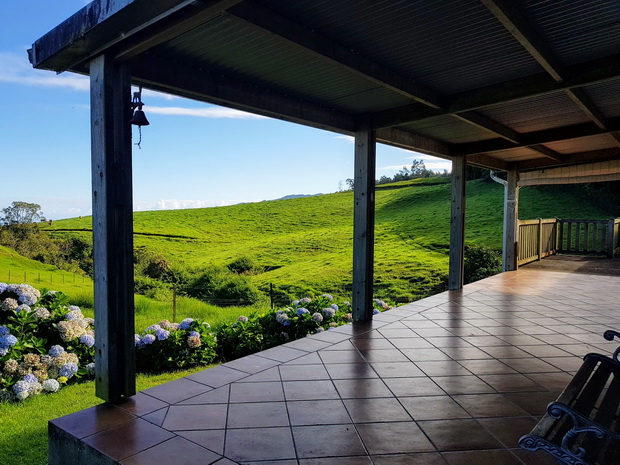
<point x="457" y="224"/>
<point x="364" y="223"/>
<point x="511" y="223"/>
<point x="540" y="239"/>
<point x="611" y="237"/>
<point x="110" y="92"/>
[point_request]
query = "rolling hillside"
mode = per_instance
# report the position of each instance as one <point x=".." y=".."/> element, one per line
<point x="306" y="243"/>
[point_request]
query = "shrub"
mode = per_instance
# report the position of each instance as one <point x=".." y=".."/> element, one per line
<point x="244" y="265"/>
<point x="217" y="284"/>
<point x="481" y="262"/>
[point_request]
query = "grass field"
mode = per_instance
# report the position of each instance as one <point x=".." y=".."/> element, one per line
<point x="307" y="242"/>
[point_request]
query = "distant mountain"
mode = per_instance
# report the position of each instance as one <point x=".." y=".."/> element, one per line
<point x="296" y="196"/>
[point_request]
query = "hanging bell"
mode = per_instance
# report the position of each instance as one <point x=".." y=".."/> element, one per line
<point x="139" y="118"/>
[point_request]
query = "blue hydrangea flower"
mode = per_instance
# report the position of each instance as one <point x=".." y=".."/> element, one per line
<point x="194" y="334"/>
<point x="186" y="323"/>
<point x="4" y="331"/>
<point x="74" y="308"/>
<point x="162" y="334"/>
<point x="56" y="350"/>
<point x="148" y="339"/>
<point x="327" y="296"/>
<point x="305" y="300"/>
<point x="87" y="340"/>
<point x="90" y="368"/>
<point x="153" y="328"/>
<point x="8" y="340"/>
<point x="51" y="385"/>
<point x="30" y="378"/>
<point x="302" y="310"/>
<point x="23" y="308"/>
<point x="3" y="351"/>
<point x="334" y="306"/>
<point x="375" y="311"/>
<point x="317" y="317"/>
<point x="329" y="312"/>
<point x="137" y="340"/>
<point x="73" y="316"/>
<point x="68" y="370"/>
<point x="295" y="303"/>
<point x="282" y="318"/>
<point x="20" y="386"/>
<point x="3" y="287"/>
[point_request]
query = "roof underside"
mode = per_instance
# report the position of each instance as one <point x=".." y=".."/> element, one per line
<point x="513" y="85"/>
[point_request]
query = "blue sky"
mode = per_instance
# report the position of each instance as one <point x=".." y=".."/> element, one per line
<point x="192" y="155"/>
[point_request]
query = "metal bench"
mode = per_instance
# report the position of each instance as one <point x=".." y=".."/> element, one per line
<point x="582" y="427"/>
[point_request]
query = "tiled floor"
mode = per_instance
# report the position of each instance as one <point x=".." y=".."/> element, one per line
<point x="453" y="379"/>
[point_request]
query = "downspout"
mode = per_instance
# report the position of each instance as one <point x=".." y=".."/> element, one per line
<point x="504" y="183"/>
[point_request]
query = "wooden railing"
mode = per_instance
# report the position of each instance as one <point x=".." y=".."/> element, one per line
<point x="543" y="237"/>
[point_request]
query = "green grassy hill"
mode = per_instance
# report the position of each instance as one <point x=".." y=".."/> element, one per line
<point x="306" y="243"/>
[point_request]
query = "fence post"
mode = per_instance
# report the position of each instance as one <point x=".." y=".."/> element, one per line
<point x="611" y="237"/>
<point x="271" y="298"/>
<point x="540" y="238"/>
<point x="174" y="304"/>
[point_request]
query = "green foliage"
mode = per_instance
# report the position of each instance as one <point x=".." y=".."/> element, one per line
<point x="244" y="265"/>
<point x="481" y="262"/>
<point x="21" y="213"/>
<point x="219" y="285"/>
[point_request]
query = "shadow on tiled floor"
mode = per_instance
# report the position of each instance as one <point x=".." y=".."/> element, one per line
<point x="453" y="379"/>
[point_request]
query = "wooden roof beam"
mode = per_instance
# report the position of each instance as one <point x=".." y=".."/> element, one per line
<point x="411" y="141"/>
<point x="508" y="13"/>
<point x="569" y="159"/>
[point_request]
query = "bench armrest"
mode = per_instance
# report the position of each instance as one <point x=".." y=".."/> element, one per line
<point x="609" y="335"/>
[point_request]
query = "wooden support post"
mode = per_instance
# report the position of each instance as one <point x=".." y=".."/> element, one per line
<point x="364" y="223"/>
<point x="540" y="239"/>
<point x="611" y="237"/>
<point x="457" y="223"/>
<point x="110" y="93"/>
<point x="511" y="223"/>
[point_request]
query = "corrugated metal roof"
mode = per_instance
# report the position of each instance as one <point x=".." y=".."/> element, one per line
<point x="451" y="75"/>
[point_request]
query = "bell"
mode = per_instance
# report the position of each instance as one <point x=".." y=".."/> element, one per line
<point x="139" y="118"/>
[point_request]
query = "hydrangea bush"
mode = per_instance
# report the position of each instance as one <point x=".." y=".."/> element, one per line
<point x="303" y="317"/>
<point x="46" y="343"/>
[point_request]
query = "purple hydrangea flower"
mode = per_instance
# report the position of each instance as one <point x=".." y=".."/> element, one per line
<point x="56" y="350"/>
<point x="87" y="340"/>
<point x="302" y="310"/>
<point x="8" y="340"/>
<point x="148" y="339"/>
<point x="329" y="312"/>
<point x="317" y="317"/>
<point x="162" y="334"/>
<point x="4" y="331"/>
<point x="186" y="323"/>
<point x="30" y="378"/>
<point x="194" y="334"/>
<point x="68" y="370"/>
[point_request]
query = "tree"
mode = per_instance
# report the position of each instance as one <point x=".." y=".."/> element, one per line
<point x="350" y="183"/>
<point x="21" y="213"/>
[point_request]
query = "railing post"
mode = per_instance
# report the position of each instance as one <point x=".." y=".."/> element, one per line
<point x="611" y="237"/>
<point x="540" y="238"/>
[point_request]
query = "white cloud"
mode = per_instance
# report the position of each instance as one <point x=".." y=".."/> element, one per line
<point x="208" y="112"/>
<point x="349" y="139"/>
<point x="15" y="68"/>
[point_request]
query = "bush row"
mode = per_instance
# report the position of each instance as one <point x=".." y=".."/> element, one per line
<point x="46" y="343"/>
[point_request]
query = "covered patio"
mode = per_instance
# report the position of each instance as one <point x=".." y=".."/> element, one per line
<point x="530" y="88"/>
<point x="456" y="378"/>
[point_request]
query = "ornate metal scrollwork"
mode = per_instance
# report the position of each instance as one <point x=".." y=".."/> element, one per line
<point x="609" y="335"/>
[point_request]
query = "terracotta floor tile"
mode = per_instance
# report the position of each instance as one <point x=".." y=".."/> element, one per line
<point x="508" y="430"/>
<point x="341" y="356"/>
<point x="383" y="355"/>
<point x="128" y="439"/>
<point x="209" y="439"/>
<point x="433" y="408"/>
<point x="394" y="438"/>
<point x="442" y="368"/>
<point x="302" y="372"/>
<point x="270" y="374"/>
<point x="427" y="458"/>
<point x="193" y="417"/>
<point x="256" y="415"/>
<point x="482" y="457"/>
<point x="336" y="461"/>
<point x="361" y="388"/>
<point x="413" y="387"/>
<point x="371" y="343"/>
<point x="463" y="385"/>
<point x="168" y="452"/>
<point x="376" y="410"/>
<point x="177" y="390"/>
<point x="317" y="412"/>
<point x="449" y="435"/>
<point x="309" y="390"/>
<point x="217" y="376"/>
<point x="350" y="370"/>
<point x="93" y="420"/>
<point x="489" y="405"/>
<point x="512" y="383"/>
<point x="251" y="364"/>
<point x="268" y="391"/>
<point x="327" y="441"/>
<point x="397" y="369"/>
<point x="219" y="395"/>
<point x="254" y="444"/>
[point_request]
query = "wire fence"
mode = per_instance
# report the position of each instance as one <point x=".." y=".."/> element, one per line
<point x="30" y="277"/>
